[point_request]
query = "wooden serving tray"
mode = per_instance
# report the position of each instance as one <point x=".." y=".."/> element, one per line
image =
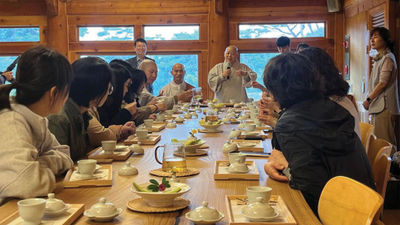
<point x="158" y="127"/>
<point x="102" y="178"/>
<point x="152" y="140"/>
<point x="68" y="218"/>
<point x="118" y="155"/>
<point x="257" y="148"/>
<point x="260" y="134"/>
<point x="221" y="172"/>
<point x="235" y="203"/>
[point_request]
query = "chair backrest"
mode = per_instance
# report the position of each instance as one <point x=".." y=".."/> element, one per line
<point x="380" y="170"/>
<point x="366" y="131"/>
<point x="348" y="202"/>
<point x="374" y="146"/>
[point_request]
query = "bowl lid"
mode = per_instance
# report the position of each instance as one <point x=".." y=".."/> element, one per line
<point x="102" y="208"/>
<point x="258" y="209"/>
<point x="128" y="170"/>
<point x="204" y="213"/>
<point x="54" y="204"/>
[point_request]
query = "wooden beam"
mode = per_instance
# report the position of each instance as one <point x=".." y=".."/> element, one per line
<point x="52" y="7"/>
<point x="31" y="8"/>
<point x="58" y="30"/>
<point x="127" y="46"/>
<point x="269" y="45"/>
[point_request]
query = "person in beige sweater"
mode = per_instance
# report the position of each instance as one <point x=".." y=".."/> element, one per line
<point x="31" y="157"/>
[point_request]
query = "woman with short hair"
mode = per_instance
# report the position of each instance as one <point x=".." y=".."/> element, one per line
<point x="315" y="135"/>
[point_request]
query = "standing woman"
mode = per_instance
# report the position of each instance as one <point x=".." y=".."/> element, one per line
<point x="90" y="88"/>
<point x="30" y="154"/>
<point x="382" y="100"/>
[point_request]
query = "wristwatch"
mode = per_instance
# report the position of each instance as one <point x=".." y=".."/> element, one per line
<point x="369" y="100"/>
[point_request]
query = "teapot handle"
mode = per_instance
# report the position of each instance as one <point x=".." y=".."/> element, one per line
<point x="155" y="154"/>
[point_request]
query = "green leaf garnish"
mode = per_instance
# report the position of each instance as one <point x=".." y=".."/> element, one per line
<point x="165" y="182"/>
<point x="153" y="181"/>
<point x="153" y="187"/>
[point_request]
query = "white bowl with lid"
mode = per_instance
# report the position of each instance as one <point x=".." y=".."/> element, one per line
<point x="102" y="211"/>
<point x="55" y="207"/>
<point x="204" y="215"/>
<point x="259" y="211"/>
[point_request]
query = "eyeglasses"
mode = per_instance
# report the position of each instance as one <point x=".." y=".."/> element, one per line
<point x="110" y="90"/>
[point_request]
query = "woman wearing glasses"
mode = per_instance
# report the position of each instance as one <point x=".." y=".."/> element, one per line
<point x="89" y="89"/>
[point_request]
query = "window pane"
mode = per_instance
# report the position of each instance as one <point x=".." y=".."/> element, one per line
<point x="109" y="58"/>
<point x="171" y="32"/>
<point x="5" y="61"/>
<point x="293" y="30"/>
<point x="23" y="34"/>
<point x="105" y="33"/>
<point x="165" y="63"/>
<point x="256" y="62"/>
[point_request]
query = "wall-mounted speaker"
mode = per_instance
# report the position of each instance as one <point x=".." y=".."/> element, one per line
<point x="333" y="5"/>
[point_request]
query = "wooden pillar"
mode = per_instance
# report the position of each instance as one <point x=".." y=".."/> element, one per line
<point x="58" y="29"/>
<point x="218" y="35"/>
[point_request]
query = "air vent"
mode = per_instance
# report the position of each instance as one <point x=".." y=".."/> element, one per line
<point x="378" y="20"/>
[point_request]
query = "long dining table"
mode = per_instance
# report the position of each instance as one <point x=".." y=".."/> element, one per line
<point x="203" y="186"/>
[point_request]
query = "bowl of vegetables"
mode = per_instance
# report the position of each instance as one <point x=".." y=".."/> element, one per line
<point x="211" y="125"/>
<point x="160" y="194"/>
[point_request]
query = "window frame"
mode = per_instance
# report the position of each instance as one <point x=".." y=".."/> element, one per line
<point x="169" y="25"/>
<point x="276" y="23"/>
<point x="35" y="26"/>
<point x="101" y="41"/>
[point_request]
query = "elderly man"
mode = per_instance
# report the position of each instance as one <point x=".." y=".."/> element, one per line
<point x="178" y="84"/>
<point x="228" y="79"/>
<point x="141" y="50"/>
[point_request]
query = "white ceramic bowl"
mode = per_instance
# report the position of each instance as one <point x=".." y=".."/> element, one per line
<point x="161" y="199"/>
<point x="211" y="127"/>
<point x="193" y="148"/>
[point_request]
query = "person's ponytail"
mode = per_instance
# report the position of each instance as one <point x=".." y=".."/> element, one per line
<point x="5" y="95"/>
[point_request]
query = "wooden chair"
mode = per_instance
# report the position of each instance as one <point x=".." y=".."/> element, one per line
<point x="348" y="202"/>
<point x="380" y="170"/>
<point x="366" y="130"/>
<point x="374" y="146"/>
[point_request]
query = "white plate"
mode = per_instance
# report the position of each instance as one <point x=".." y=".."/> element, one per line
<point x="102" y="218"/>
<point x="58" y="212"/>
<point x="245" y="145"/>
<point x="260" y="219"/>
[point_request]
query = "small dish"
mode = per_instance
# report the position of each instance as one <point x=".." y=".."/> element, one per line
<point x="245" y="144"/>
<point x="229" y="147"/>
<point x="137" y="149"/>
<point x="120" y="148"/>
<point x="238" y="168"/>
<point x="171" y="125"/>
<point x="204" y="215"/>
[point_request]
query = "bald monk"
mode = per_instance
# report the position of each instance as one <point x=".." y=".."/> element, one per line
<point x="178" y="84"/>
<point x="228" y="79"/>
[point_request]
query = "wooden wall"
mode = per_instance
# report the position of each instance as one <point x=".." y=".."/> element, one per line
<point x="218" y="19"/>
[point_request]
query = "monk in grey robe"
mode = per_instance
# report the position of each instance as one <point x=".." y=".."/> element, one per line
<point x="229" y="79"/>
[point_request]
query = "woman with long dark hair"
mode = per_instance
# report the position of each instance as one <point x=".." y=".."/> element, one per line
<point x="334" y="86"/>
<point x="382" y="100"/>
<point x="90" y="88"/>
<point x="30" y="154"/>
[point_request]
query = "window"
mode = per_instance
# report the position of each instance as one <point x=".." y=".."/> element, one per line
<point x="291" y="30"/>
<point x="20" y="34"/>
<point x="164" y="65"/>
<point x="5" y="61"/>
<point x="106" y="33"/>
<point x="256" y="62"/>
<point x="171" y="32"/>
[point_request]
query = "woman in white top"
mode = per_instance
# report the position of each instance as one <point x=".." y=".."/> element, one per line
<point x="30" y="155"/>
<point x="382" y="100"/>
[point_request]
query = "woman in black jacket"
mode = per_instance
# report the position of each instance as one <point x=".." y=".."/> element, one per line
<point x="315" y="135"/>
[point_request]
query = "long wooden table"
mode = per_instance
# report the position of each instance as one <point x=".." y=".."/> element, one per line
<point x="203" y="186"/>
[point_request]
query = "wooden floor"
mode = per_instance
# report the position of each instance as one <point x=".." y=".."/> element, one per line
<point x="391" y="216"/>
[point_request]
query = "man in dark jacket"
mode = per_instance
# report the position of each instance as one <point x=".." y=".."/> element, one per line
<point x="141" y="50"/>
<point x="315" y="135"/>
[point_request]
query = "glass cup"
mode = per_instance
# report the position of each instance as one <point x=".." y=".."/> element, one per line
<point x="171" y="161"/>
